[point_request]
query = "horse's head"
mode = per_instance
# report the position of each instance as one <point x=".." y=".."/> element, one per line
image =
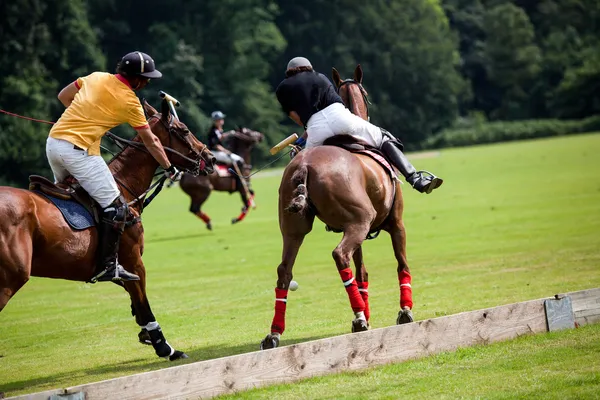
<point x="352" y="92"/>
<point x="183" y="149"/>
<point x="248" y="135"/>
<point x="242" y="140"/>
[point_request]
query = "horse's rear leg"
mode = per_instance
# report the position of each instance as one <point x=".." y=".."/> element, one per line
<point x="352" y="240"/>
<point x="145" y="318"/>
<point x="362" y="279"/>
<point x="398" y="235"/>
<point x="15" y="265"/>
<point x="291" y="246"/>
<point x="247" y="201"/>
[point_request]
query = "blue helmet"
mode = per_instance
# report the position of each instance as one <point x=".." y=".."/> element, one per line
<point x="215" y="115"/>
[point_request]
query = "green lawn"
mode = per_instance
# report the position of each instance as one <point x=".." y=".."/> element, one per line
<point x="512" y="222"/>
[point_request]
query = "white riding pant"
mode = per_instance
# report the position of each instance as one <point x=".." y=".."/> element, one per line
<point x="338" y="120"/>
<point x="227" y="158"/>
<point x="91" y="171"/>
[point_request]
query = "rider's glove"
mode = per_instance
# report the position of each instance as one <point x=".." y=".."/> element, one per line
<point x="300" y="142"/>
<point x="173" y="173"/>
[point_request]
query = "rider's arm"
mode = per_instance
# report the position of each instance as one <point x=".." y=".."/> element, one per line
<point x="221" y="148"/>
<point x="154" y="146"/>
<point x="67" y="95"/>
<point x="295" y="117"/>
<point x="137" y="120"/>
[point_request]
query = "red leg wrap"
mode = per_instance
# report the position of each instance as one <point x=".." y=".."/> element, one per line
<point x="405" y="289"/>
<point x="242" y="215"/>
<point x="356" y="301"/>
<point x="203" y="217"/>
<point x="278" y="324"/>
<point x="363" y="289"/>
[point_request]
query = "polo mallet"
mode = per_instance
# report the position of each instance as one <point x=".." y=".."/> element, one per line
<point x="284" y="143"/>
<point x="173" y="102"/>
<point x="274" y="150"/>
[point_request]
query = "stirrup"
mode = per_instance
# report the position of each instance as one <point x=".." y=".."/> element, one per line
<point x="120" y="275"/>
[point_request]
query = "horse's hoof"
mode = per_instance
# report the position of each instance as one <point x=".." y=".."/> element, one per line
<point x="405" y="316"/>
<point x="144" y="337"/>
<point x="178" y="355"/>
<point x="269" y="342"/>
<point x="234" y="221"/>
<point x="359" y="325"/>
<point x="209" y="226"/>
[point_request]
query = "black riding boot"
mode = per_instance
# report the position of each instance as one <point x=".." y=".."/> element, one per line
<point x="423" y="181"/>
<point x="110" y="230"/>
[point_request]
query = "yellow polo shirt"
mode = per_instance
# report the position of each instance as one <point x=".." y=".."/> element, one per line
<point x="103" y="101"/>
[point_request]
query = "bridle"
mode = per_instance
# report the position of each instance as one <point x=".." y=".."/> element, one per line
<point x="363" y="91"/>
<point x="198" y="161"/>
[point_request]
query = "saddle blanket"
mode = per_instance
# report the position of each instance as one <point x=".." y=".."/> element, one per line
<point x="74" y="213"/>
<point x="382" y="161"/>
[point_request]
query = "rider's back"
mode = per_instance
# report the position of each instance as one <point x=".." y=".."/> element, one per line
<point x="103" y="101"/>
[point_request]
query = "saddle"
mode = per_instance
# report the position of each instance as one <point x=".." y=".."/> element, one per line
<point x="359" y="146"/>
<point x="70" y="190"/>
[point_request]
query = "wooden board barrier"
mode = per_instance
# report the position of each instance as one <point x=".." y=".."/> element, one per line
<point x="336" y="354"/>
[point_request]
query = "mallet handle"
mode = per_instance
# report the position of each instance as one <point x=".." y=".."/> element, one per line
<point x="289" y="140"/>
<point x="169" y="98"/>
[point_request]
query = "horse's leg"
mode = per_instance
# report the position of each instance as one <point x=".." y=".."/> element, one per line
<point x="291" y="246"/>
<point x="196" y="207"/>
<point x="362" y="279"/>
<point x="15" y="263"/>
<point x="245" y="201"/>
<point x="398" y="235"/>
<point x="145" y="318"/>
<point x="354" y="235"/>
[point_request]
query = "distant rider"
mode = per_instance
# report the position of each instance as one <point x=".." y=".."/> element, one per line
<point x="215" y="142"/>
<point x="310" y="100"/>
<point x="95" y="104"/>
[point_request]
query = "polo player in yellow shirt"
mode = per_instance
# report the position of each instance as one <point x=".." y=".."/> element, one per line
<point x="95" y="104"/>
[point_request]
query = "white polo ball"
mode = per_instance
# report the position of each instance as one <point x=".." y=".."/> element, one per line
<point x="293" y="286"/>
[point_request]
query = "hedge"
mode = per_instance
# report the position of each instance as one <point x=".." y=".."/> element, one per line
<point x="503" y="131"/>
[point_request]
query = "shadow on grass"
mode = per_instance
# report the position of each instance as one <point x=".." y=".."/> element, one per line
<point x="134" y="366"/>
<point x="178" y="237"/>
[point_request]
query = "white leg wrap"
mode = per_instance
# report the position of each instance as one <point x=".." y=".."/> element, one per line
<point x="151" y="326"/>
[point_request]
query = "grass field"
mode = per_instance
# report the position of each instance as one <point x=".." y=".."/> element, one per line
<point x="512" y="222"/>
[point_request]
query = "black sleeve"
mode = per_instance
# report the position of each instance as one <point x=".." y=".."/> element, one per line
<point x="213" y="139"/>
<point x="327" y="82"/>
<point x="284" y="98"/>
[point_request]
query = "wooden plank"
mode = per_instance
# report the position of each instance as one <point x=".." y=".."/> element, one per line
<point x="342" y="353"/>
<point x="586" y="306"/>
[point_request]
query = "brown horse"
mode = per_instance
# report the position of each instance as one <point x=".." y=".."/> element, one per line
<point x="350" y="193"/>
<point x="35" y="240"/>
<point x="240" y="142"/>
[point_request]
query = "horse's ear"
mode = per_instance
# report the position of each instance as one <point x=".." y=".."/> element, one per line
<point x="148" y="109"/>
<point x="358" y="74"/>
<point x="165" y="110"/>
<point x="337" y="80"/>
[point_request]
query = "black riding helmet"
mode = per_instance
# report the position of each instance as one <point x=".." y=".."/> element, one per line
<point x="138" y="64"/>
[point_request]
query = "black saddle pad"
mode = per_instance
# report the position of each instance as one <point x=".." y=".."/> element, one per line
<point x="74" y="213"/>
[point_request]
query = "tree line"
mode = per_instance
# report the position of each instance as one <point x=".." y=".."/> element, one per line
<point x="429" y="65"/>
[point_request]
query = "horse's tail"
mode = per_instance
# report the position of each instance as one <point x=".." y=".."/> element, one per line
<point x="299" y="202"/>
